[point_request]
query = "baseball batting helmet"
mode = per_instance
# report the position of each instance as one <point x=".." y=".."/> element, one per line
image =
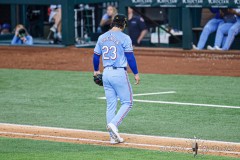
<point x="119" y="21"/>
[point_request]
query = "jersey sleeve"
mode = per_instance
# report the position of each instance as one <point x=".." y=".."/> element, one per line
<point x="97" y="49"/>
<point x="127" y="45"/>
<point x="142" y="24"/>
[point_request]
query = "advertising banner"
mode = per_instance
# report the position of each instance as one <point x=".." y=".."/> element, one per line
<point x="186" y="3"/>
<point x="168" y="3"/>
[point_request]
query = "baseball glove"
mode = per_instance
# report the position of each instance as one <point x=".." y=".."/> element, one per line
<point x="98" y="79"/>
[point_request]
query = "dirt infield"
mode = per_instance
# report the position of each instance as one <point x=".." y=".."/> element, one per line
<point x="131" y="140"/>
<point x="156" y="60"/>
<point x="163" y="61"/>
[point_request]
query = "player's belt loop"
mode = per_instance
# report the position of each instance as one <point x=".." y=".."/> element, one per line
<point x="125" y="68"/>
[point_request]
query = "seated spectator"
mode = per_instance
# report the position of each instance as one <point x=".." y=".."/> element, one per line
<point x="56" y="17"/>
<point x="136" y="27"/>
<point x="210" y="27"/>
<point x="21" y="36"/>
<point x="229" y="20"/>
<point x="107" y="18"/>
<point x="232" y="32"/>
<point x="5" y="29"/>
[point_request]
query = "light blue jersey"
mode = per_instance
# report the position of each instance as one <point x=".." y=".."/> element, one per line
<point x="112" y="45"/>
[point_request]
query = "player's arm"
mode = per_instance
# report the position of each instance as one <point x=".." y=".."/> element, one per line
<point x="132" y="62"/>
<point x="96" y="59"/>
<point x="133" y="65"/>
<point x="128" y="51"/>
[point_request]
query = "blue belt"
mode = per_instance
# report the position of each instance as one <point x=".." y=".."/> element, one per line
<point x="125" y="68"/>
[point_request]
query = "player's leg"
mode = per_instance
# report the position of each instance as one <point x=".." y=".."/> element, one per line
<point x="224" y="40"/>
<point x="233" y="31"/>
<point x="52" y="18"/>
<point x="120" y="82"/>
<point x="59" y="24"/>
<point x="59" y="29"/>
<point x="209" y="28"/>
<point x="123" y="89"/>
<point x="222" y="30"/>
<point x="57" y="16"/>
<point x="111" y="98"/>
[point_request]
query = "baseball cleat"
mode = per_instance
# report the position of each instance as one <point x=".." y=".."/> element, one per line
<point x="218" y="48"/>
<point x="53" y="29"/>
<point x="113" y="129"/>
<point x="195" y="47"/>
<point x="114" y="141"/>
<point x="211" y="48"/>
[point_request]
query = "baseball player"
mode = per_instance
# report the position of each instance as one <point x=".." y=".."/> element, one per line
<point x="229" y="20"/>
<point x="116" y="50"/>
<point x="232" y="32"/>
<point x="56" y="16"/>
<point x="209" y="28"/>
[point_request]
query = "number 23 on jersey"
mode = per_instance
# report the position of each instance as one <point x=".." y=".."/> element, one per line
<point x="109" y="52"/>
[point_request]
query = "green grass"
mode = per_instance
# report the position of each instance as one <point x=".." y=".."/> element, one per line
<point x="69" y="99"/>
<point x="16" y="149"/>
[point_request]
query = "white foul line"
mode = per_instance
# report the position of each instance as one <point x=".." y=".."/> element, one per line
<point x="187" y="104"/>
<point x="156" y="93"/>
<point x="127" y="134"/>
<point x="147" y="94"/>
<point x="176" y="103"/>
<point x="107" y="142"/>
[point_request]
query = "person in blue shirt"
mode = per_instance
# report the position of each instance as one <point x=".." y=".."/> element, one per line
<point x="210" y="27"/>
<point x="21" y="36"/>
<point x="116" y="50"/>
